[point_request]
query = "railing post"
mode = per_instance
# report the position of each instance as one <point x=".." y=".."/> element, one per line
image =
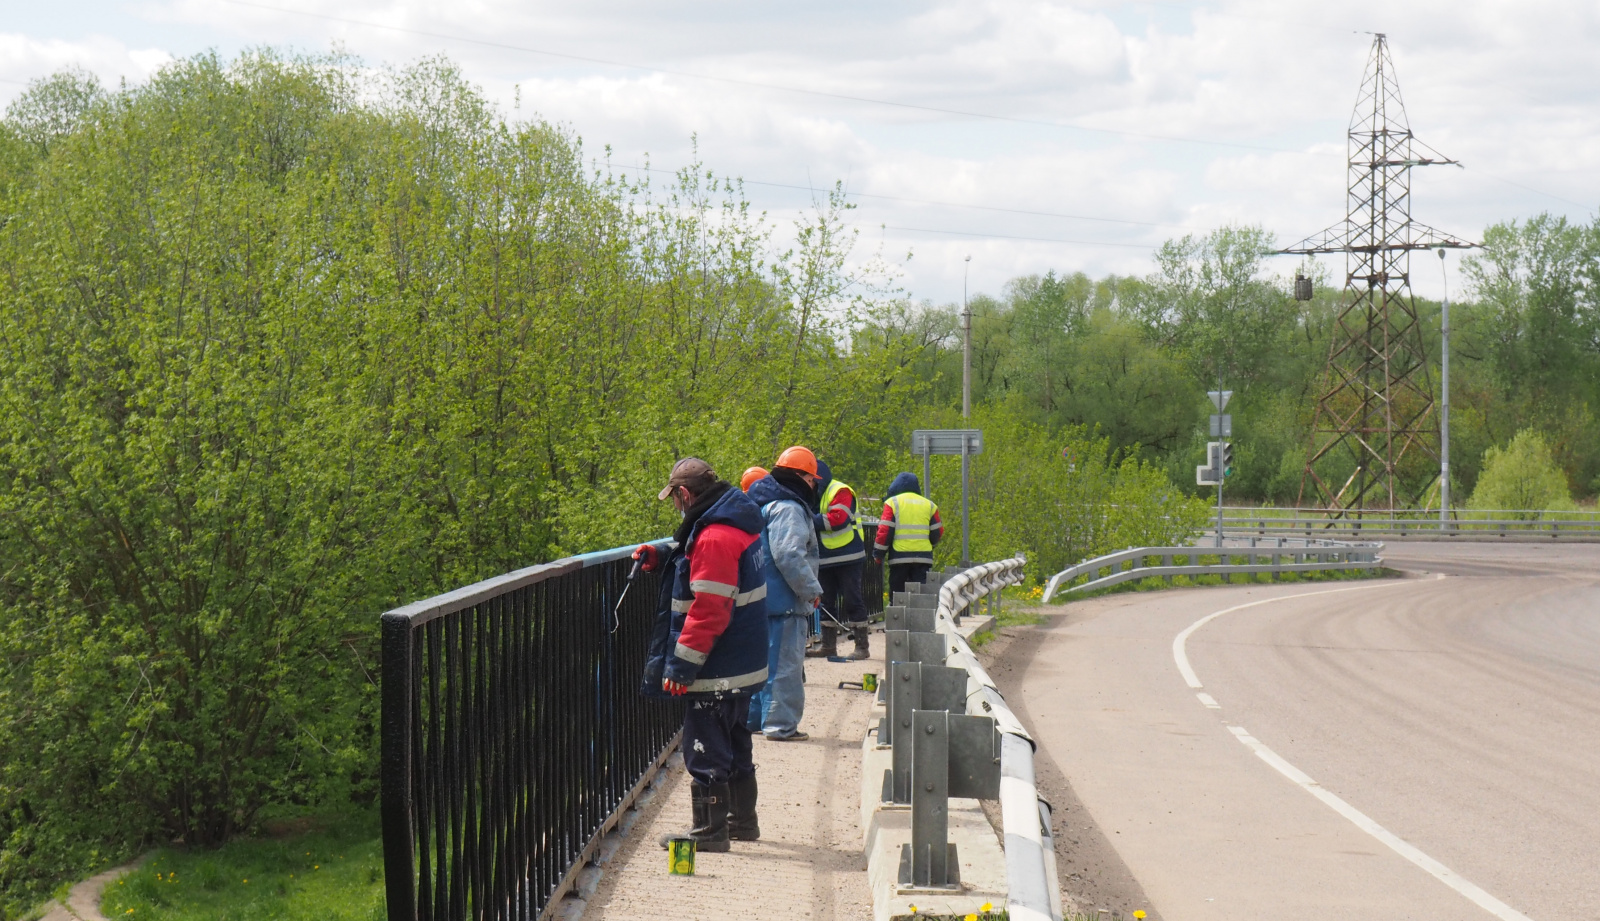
<point x="399" y="855"/>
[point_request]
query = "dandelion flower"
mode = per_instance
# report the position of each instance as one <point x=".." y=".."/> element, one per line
<point x="986" y="907"/>
<point x="1138" y="914"/>
<point x="247" y="881"/>
<point x="970" y="917"/>
<point x="317" y="867"/>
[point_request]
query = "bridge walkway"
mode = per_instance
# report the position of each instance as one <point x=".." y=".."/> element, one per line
<point x="809" y="862"/>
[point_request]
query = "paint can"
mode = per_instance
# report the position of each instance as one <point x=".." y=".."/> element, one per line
<point x="680" y="856"/>
<point x="869" y="682"/>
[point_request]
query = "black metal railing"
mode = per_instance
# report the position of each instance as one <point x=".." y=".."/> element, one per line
<point x="513" y="731"/>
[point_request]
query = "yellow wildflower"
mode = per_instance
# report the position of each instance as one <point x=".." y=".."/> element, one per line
<point x="970" y="917"/>
<point x="986" y="906"/>
<point x="1138" y="914"/>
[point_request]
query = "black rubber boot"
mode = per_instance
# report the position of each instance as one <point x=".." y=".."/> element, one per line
<point x="830" y="643"/>
<point x="863" y="648"/>
<point x="742" y="824"/>
<point x="710" y="831"/>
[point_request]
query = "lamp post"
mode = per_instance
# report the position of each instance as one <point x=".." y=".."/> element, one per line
<point x="966" y="346"/>
<point x="966" y="405"/>
<point x="1444" y="403"/>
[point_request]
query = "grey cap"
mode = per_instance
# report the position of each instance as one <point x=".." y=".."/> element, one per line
<point x="691" y="472"/>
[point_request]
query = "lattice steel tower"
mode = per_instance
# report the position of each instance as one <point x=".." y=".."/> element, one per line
<point x="1375" y="426"/>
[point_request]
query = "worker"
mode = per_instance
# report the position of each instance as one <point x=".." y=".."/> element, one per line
<point x="786" y="497"/>
<point x="843" y="556"/>
<point x="909" y="529"/>
<point x="709" y="645"/>
<point x="749" y="477"/>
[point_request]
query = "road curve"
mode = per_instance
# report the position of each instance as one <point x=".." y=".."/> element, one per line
<point x="1456" y="711"/>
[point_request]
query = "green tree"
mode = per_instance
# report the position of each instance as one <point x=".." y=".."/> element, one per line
<point x="1522" y="476"/>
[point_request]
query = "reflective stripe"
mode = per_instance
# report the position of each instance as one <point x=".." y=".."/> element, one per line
<point x="721" y="590"/>
<point x="713" y="588"/>
<point x="690" y="655"/>
<point x="730" y="683"/>
<point x="844" y="558"/>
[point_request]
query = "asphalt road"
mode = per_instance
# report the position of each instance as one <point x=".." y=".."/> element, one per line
<point x="1426" y="747"/>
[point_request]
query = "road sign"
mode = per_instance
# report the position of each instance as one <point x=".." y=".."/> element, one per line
<point x="946" y="441"/>
<point x="1222" y="425"/>
<point x="1206" y="476"/>
<point x="1220" y="398"/>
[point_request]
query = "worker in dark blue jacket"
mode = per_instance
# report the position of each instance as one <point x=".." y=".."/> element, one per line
<point x="709" y="644"/>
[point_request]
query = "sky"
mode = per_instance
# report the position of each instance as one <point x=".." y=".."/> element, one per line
<point x="1030" y="136"/>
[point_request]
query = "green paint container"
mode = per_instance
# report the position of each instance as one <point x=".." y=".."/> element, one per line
<point x="869" y="682"/>
<point x="680" y="856"/>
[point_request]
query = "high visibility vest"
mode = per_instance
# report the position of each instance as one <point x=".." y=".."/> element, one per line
<point x="838" y="540"/>
<point x="913" y="521"/>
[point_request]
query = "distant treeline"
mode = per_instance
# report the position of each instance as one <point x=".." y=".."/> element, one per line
<point x="1132" y="357"/>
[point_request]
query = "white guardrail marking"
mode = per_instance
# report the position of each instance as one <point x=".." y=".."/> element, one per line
<point x="1031" y="893"/>
<point x="1358" y="818"/>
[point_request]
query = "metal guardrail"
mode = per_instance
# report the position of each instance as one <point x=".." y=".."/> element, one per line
<point x="1305" y="555"/>
<point x="513" y="735"/>
<point x="1031" y="884"/>
<point x="1460" y="528"/>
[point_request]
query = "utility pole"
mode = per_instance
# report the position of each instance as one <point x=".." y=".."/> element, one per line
<point x="1444" y="402"/>
<point x="966" y="406"/>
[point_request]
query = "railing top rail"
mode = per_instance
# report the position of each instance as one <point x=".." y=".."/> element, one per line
<point x="420" y="612"/>
<point x="1385" y="512"/>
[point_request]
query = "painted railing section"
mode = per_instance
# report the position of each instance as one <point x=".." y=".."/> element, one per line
<point x="1032" y="891"/>
<point x="514" y="736"/>
<point x="1275" y="555"/>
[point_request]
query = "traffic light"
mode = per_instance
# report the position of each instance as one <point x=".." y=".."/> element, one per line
<point x="1227" y="458"/>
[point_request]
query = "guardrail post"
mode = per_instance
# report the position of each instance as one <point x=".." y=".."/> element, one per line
<point x="930" y="862"/>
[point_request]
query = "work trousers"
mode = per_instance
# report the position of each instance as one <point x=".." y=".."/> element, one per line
<point x="716" y="741"/>
<point x="841" y="592"/>
<point x="785" y="694"/>
<point x="902" y="573"/>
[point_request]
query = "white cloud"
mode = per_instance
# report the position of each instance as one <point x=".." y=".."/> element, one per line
<point x="1513" y="90"/>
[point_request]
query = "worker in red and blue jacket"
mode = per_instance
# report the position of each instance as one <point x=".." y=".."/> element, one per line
<point x="709" y="644"/>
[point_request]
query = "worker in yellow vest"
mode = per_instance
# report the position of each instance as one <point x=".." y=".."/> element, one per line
<point x="843" y="556"/>
<point x="909" y="529"/>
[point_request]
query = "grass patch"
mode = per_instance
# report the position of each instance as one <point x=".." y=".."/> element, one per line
<point x="1158" y="583"/>
<point x="331" y="872"/>
<point x="1014" y="616"/>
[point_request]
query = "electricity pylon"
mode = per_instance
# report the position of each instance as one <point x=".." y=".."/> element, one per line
<point x="1375" y="425"/>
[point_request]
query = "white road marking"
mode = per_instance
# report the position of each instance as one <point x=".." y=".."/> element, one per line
<point x="1209" y="701"/>
<point x="1182" y="657"/>
<point x="1360" y="819"/>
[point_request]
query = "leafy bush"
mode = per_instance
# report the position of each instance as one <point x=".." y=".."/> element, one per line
<point x="282" y="346"/>
<point x="1522" y="476"/>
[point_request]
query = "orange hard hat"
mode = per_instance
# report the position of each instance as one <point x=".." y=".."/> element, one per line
<point x="798" y="458"/>
<point x="749" y="477"/>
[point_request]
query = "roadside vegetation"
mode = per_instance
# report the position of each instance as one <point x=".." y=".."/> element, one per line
<point x="288" y="341"/>
<point x="309" y="871"/>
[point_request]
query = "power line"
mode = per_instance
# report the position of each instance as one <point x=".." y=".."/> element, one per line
<point x="940" y="204"/>
<point x="1007" y="236"/>
<point x="942" y="110"/>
